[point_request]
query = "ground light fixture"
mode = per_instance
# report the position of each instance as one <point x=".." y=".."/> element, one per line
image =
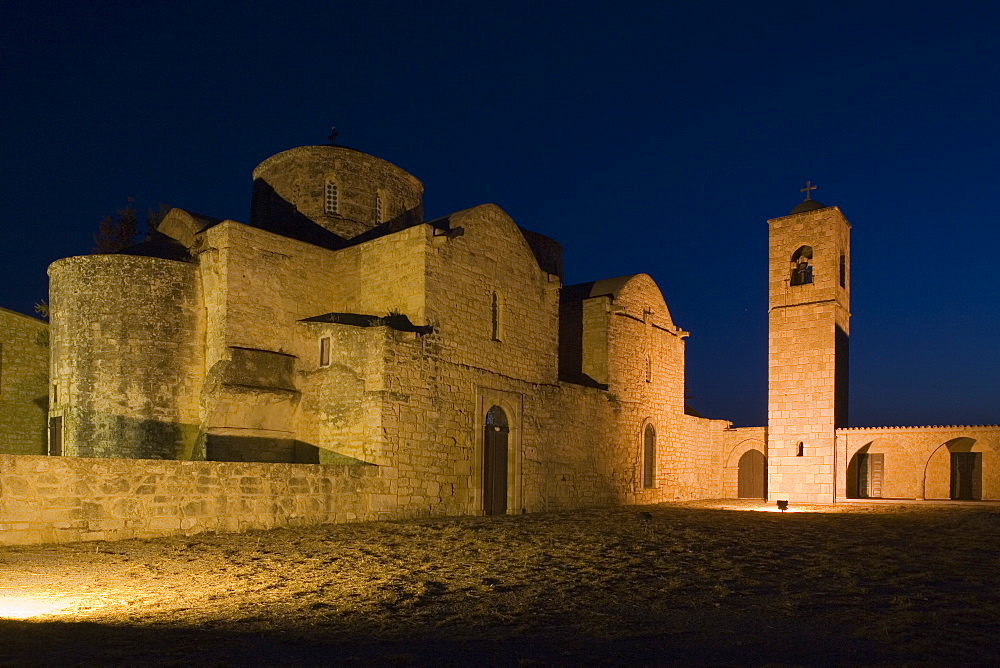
<point x="782" y="505"/>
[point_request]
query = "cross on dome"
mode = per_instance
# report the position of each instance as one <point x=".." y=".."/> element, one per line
<point x="809" y="186"/>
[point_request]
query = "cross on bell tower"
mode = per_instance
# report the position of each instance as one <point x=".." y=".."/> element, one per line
<point x="809" y="186"/>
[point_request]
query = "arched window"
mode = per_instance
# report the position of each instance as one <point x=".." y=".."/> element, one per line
<point x="331" y="201"/>
<point x="800" y="449"/>
<point x="802" y="271"/>
<point x="649" y="457"/>
<point x="495" y="317"/>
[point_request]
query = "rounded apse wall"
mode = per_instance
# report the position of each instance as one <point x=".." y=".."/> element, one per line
<point x="127" y="363"/>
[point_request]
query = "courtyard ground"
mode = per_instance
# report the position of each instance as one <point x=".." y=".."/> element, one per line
<point x="700" y="582"/>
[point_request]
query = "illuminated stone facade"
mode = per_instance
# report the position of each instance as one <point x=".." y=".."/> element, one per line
<point x="338" y="328"/>
<point x="24" y="360"/>
<point x="811" y="454"/>
<point x="395" y="367"/>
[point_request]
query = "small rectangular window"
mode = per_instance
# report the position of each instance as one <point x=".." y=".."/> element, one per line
<point x="843" y="270"/>
<point x="324" y="351"/>
<point x="55" y="393"/>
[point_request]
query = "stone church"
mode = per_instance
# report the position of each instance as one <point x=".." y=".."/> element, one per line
<point x="338" y="327"/>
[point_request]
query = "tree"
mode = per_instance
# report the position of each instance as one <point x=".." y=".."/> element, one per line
<point x="153" y="218"/>
<point x="117" y="233"/>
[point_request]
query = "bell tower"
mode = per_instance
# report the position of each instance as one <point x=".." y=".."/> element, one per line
<point x="808" y="326"/>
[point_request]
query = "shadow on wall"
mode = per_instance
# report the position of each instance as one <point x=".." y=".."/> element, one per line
<point x="271" y="212"/>
<point x="854" y="487"/>
<point x="571" y="343"/>
<point x="220" y="448"/>
<point x="92" y="434"/>
<point x="136" y="438"/>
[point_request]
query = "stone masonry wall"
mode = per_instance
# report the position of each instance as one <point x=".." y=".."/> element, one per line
<point x="127" y="356"/>
<point x="917" y="461"/>
<point x="24" y="383"/>
<point x="463" y="273"/>
<point x="62" y="499"/>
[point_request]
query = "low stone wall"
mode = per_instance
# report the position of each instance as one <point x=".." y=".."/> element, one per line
<point x="64" y="499"/>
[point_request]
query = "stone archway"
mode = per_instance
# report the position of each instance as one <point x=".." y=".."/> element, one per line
<point x="865" y="474"/>
<point x="954" y="470"/>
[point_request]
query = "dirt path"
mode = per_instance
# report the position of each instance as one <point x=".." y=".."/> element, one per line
<point x="699" y="582"/>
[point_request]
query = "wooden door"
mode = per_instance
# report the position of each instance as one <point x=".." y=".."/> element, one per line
<point x="55" y="436"/>
<point x="495" y="462"/>
<point x="752" y="475"/>
<point x="871" y="471"/>
<point x="967" y="476"/>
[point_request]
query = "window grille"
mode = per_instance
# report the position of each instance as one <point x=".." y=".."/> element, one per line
<point x="332" y="202"/>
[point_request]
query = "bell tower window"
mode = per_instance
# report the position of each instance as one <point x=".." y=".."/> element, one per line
<point x="331" y="202"/>
<point x="802" y="271"/>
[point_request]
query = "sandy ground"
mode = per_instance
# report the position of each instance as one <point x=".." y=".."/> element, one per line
<point x="705" y="582"/>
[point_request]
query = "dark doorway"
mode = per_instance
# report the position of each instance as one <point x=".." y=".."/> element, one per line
<point x="967" y="476"/>
<point x="495" y="462"/>
<point x="752" y="476"/>
<point x="871" y="470"/>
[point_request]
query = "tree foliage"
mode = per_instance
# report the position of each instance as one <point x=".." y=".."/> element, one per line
<point x="153" y="218"/>
<point x="116" y="233"/>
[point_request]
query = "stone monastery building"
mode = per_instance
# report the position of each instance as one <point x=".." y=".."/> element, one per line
<point x="339" y="327"/>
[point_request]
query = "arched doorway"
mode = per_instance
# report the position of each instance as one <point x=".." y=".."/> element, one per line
<point x="752" y="476"/>
<point x="865" y="474"/>
<point x="495" y="462"/>
<point x="966" y="470"/>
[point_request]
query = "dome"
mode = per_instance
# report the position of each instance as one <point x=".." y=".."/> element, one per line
<point x="343" y="191"/>
<point x="807" y="205"/>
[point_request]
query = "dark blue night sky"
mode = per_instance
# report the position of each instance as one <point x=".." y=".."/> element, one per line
<point x="651" y="137"/>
